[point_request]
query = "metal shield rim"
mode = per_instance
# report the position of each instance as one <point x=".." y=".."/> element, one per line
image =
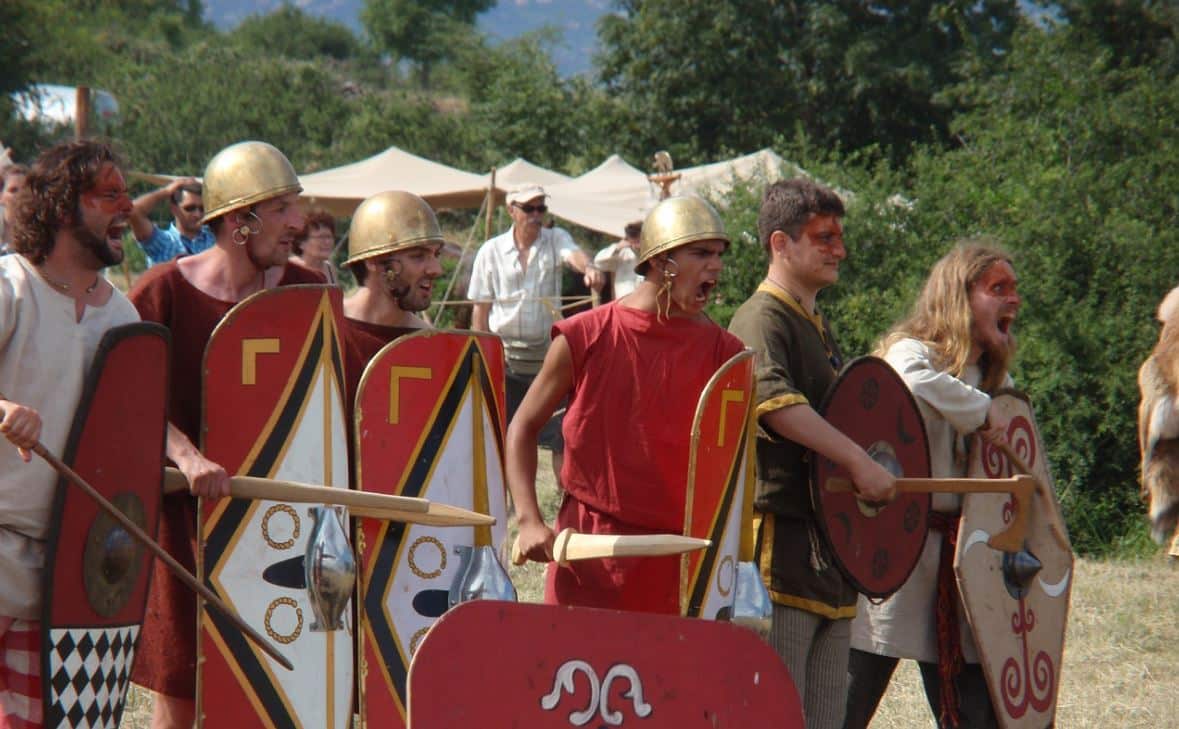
<point x="816" y="495"/>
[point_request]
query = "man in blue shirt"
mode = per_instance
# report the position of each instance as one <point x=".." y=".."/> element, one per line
<point x="185" y="236"/>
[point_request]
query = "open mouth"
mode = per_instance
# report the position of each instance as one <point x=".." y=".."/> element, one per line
<point x="703" y="290"/>
<point x="1004" y="324"/>
<point x="114" y="233"/>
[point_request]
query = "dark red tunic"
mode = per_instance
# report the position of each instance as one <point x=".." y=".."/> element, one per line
<point x="166" y="658"/>
<point x="636" y="382"/>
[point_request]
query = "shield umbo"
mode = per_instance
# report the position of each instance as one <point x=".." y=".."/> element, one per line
<point x="96" y="574"/>
<point x="562" y="667"/>
<point x="1018" y="616"/>
<point x="273" y="408"/>
<point x="717" y="470"/>
<point x="429" y="422"/>
<point x="876" y="547"/>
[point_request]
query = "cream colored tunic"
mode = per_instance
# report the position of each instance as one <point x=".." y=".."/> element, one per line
<point x="44" y="356"/>
<point x="903" y="626"/>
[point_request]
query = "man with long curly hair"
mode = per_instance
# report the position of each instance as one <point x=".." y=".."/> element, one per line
<point x="55" y="306"/>
<point x="953" y="350"/>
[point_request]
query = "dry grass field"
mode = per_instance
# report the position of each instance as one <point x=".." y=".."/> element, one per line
<point x="1121" y="666"/>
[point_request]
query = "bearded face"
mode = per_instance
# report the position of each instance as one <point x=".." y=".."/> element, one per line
<point x="104" y="211"/>
<point x="409" y="276"/>
<point x="994" y="304"/>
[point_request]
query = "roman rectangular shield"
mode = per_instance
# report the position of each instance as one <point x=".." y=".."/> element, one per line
<point x="559" y="667"/>
<point x="718" y="466"/>
<point x="273" y="408"/>
<point x="96" y="574"/>
<point x="1017" y="603"/>
<point x="429" y="422"/>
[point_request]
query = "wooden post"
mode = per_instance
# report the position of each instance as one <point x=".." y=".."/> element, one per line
<point x="490" y="207"/>
<point x="82" y="112"/>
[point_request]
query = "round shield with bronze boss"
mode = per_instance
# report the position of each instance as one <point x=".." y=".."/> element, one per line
<point x="875" y="546"/>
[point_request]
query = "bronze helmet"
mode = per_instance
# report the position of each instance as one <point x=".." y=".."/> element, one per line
<point x="678" y="221"/>
<point x="391" y="221"/>
<point x="243" y="174"/>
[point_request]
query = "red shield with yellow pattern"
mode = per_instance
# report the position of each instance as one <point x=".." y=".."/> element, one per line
<point x="1018" y="616"/>
<point x="876" y="547"/>
<point x="561" y="667"/>
<point x="718" y="465"/>
<point x="429" y="423"/>
<point x="96" y="574"/>
<point x="273" y="408"/>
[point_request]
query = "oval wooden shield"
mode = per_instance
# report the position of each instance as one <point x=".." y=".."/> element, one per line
<point x="717" y="466"/>
<point x="875" y="548"/>
<point x="96" y="574"/>
<point x="560" y="667"/>
<point x="273" y="384"/>
<point x="1019" y="630"/>
<point x="429" y="423"/>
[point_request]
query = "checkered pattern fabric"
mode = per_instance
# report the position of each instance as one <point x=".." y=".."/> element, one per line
<point x="20" y="674"/>
<point x="89" y="671"/>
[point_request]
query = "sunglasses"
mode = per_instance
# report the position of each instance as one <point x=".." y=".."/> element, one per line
<point x="530" y="209"/>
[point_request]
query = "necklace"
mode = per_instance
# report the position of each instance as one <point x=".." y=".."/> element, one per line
<point x="65" y="287"/>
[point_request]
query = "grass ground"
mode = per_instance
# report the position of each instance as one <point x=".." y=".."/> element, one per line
<point x="1121" y="650"/>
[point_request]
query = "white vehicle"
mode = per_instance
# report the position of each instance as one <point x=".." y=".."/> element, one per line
<point x="53" y="104"/>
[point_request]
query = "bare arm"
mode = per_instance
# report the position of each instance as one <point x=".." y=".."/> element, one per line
<point x="553" y="382"/>
<point x="480" y="316"/>
<point x="801" y="424"/>
<point x="205" y="478"/>
<point x="580" y="262"/>
<point x="141" y="225"/>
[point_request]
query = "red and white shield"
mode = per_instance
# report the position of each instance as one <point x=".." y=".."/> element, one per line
<point x="876" y="548"/>
<point x="559" y="667"/>
<point x="1019" y="628"/>
<point x="718" y="466"/>
<point x="429" y="423"/>
<point x="273" y="408"/>
<point x="96" y="574"/>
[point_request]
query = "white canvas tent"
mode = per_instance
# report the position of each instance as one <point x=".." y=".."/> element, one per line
<point x="521" y="172"/>
<point x="340" y="190"/>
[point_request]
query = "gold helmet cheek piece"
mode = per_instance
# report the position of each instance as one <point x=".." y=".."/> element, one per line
<point x="675" y="222"/>
<point x="391" y="221"/>
<point x="244" y="174"/>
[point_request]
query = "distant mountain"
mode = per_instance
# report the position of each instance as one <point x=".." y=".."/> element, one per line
<point x="576" y="19"/>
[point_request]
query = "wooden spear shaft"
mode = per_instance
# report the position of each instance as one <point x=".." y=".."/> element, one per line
<point x="141" y="536"/>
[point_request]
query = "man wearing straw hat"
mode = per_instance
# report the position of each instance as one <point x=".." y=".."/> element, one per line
<point x="633" y="370"/>
<point x="393" y="249"/>
<point x="251" y="197"/>
<point x="516" y="290"/>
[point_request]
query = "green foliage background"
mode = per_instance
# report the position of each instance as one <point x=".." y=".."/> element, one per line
<point x="1056" y="133"/>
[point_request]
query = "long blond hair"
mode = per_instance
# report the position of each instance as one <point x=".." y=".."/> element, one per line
<point x="941" y="317"/>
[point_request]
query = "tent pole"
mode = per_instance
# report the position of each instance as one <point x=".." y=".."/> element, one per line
<point x="490" y="207"/>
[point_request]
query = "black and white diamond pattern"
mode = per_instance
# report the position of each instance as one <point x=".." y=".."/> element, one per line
<point x="89" y="669"/>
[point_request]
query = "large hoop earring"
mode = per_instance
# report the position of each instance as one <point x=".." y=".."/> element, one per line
<point x="242" y="233"/>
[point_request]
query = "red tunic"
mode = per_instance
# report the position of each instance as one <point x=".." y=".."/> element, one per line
<point x="362" y="341"/>
<point x="166" y="658"/>
<point x="636" y="382"/>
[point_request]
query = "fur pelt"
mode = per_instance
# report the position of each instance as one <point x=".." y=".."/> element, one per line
<point x="1158" y="422"/>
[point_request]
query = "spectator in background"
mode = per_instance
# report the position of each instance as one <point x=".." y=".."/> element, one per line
<point x="313" y="246"/>
<point x="619" y="259"/>
<point x="11" y="182"/>
<point x="185" y="236"/>
<point x="516" y="293"/>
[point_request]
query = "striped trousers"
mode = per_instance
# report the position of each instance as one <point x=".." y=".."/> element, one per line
<point x="20" y="674"/>
<point x="815" y="650"/>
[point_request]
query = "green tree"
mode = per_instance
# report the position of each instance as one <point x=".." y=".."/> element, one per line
<point x="420" y="31"/>
<point x="704" y="78"/>
<point x="292" y="33"/>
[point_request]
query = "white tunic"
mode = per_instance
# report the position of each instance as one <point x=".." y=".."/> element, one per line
<point x="903" y="626"/>
<point x="45" y="354"/>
